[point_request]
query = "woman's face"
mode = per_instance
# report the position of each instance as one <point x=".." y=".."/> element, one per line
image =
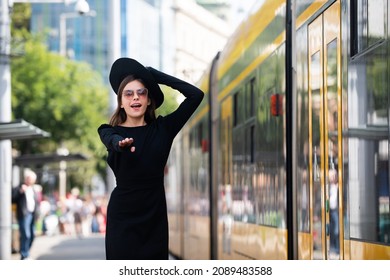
<point x="135" y="99"/>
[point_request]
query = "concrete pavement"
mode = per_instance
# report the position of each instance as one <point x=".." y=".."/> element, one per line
<point x="65" y="247"/>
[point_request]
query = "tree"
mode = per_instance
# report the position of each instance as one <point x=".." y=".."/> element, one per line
<point x="66" y="98"/>
<point x="170" y="101"/>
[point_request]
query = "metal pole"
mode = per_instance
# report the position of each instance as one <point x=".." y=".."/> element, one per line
<point x="5" y="145"/>
<point x="63" y="34"/>
<point x="292" y="236"/>
<point x="5" y="116"/>
<point x="114" y="52"/>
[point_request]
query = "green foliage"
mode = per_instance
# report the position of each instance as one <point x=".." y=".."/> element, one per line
<point x="20" y="15"/>
<point x="64" y="97"/>
<point x="170" y="101"/>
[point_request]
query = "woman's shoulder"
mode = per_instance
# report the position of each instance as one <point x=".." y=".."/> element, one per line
<point x="106" y="128"/>
<point x="104" y="125"/>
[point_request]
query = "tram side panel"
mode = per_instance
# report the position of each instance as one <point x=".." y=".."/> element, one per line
<point x="196" y="212"/>
<point x="174" y="196"/>
<point x="366" y="121"/>
<point x="251" y="186"/>
<point x="189" y="159"/>
<point x="355" y="110"/>
<point x="252" y="221"/>
<point x="302" y="148"/>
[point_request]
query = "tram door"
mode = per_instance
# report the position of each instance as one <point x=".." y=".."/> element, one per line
<point x="325" y="134"/>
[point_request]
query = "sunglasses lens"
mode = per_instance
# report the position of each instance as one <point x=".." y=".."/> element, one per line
<point x="142" y="91"/>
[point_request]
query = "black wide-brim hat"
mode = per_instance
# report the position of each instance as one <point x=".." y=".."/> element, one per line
<point x="124" y="67"/>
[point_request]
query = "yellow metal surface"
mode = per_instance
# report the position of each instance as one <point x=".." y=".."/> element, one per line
<point x="197" y="238"/>
<point x="304" y="246"/>
<point x="368" y="251"/>
<point x="249" y="241"/>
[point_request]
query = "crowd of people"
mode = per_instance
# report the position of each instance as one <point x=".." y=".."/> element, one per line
<point x="37" y="213"/>
<point x="75" y="214"/>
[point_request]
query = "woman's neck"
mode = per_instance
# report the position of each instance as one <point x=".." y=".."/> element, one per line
<point x="134" y="122"/>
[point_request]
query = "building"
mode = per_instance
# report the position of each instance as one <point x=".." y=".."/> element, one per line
<point x="179" y="37"/>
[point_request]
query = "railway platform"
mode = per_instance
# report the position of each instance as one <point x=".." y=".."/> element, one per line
<point x="65" y="247"/>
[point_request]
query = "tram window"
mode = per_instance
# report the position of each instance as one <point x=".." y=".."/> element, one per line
<point x="235" y="109"/>
<point x="368" y="191"/>
<point x="368" y="24"/>
<point x="252" y="97"/>
<point x="252" y="144"/>
<point x="200" y="134"/>
<point x="191" y="139"/>
<point x="238" y="108"/>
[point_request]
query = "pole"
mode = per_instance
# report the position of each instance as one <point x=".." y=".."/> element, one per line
<point x="114" y="52"/>
<point x="292" y="236"/>
<point x="5" y="116"/>
<point x="5" y="145"/>
<point x="63" y="32"/>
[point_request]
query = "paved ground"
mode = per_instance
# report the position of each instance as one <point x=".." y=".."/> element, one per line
<point x="63" y="247"/>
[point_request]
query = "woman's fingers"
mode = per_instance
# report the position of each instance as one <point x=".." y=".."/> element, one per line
<point x="127" y="142"/>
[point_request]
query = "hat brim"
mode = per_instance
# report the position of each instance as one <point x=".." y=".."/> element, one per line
<point x="124" y="67"/>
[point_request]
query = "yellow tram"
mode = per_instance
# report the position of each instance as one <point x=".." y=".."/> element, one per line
<point x="288" y="155"/>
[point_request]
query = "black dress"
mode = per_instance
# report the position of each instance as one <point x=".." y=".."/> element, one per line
<point x="137" y="223"/>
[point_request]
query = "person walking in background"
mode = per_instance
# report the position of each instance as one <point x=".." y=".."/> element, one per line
<point x="27" y="211"/>
<point x="138" y="146"/>
<point x="75" y="207"/>
<point x="98" y="223"/>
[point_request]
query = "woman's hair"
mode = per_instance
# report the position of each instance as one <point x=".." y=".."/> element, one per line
<point x="119" y="115"/>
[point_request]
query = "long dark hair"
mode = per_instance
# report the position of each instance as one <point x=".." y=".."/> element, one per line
<point x="120" y="116"/>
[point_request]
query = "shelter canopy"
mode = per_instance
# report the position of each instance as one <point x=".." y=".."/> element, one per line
<point x="20" y="129"/>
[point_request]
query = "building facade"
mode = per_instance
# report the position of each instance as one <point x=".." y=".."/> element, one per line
<point x="179" y="37"/>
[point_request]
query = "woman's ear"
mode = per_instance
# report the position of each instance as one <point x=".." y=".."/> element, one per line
<point x="149" y="101"/>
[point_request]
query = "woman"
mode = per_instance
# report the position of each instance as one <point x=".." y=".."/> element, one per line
<point x="138" y="146"/>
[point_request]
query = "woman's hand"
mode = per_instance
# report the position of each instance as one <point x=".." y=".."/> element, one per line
<point x="127" y="142"/>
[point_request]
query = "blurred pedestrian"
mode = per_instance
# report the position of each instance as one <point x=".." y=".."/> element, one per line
<point x="138" y="146"/>
<point x="98" y="223"/>
<point x="334" y="212"/>
<point x="27" y="211"/>
<point x="75" y="207"/>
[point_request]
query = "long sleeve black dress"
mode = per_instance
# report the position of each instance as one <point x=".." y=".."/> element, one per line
<point x="137" y="223"/>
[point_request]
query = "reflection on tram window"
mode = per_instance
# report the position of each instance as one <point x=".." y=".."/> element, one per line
<point x="334" y="214"/>
<point x="368" y="182"/>
<point x="303" y="202"/>
<point x="371" y="22"/>
<point x="383" y="198"/>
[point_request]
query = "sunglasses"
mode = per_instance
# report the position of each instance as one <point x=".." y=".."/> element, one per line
<point x="140" y="92"/>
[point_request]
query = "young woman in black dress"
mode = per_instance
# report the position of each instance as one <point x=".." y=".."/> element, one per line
<point x="138" y="146"/>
